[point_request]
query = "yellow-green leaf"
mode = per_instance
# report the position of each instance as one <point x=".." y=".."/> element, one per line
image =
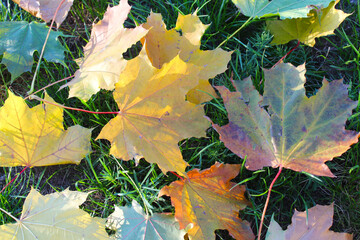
<point x="154" y="115"/>
<point x="36" y="136"/>
<point x="54" y="216"/>
<point x="295" y="132"/>
<point x="317" y="24"/>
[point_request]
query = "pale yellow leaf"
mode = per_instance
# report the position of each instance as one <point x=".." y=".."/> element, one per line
<point x="54" y="216"/>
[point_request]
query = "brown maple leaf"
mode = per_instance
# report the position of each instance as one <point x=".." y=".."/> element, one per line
<point x="296" y="132"/>
<point x="208" y="201"/>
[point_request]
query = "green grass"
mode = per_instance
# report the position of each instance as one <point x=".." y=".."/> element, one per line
<point x="116" y="182"/>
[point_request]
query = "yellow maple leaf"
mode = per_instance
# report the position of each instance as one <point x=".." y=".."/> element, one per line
<point x="163" y="45"/>
<point x="154" y="115"/>
<point x="36" y="137"/>
<point x="54" y="216"/>
<point x="103" y="55"/>
<point x="319" y="23"/>
<point x="209" y="201"/>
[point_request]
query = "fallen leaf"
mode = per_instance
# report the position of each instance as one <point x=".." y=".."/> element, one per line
<point x="103" y="55"/>
<point x="209" y="201"/>
<point x="45" y="9"/>
<point x="36" y="136"/>
<point x="133" y="224"/>
<point x="163" y="45"/>
<point x="282" y="8"/>
<point x="154" y="115"/>
<point x="305" y="30"/>
<point x="54" y="216"/>
<point x="312" y="224"/>
<point x="296" y="132"/>
<point x="19" y="41"/>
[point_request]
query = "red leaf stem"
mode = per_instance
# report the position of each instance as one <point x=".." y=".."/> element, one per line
<point x="267" y="201"/>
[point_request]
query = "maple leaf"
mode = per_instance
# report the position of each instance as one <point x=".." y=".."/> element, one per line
<point x="154" y="115"/>
<point x="103" y="55"/>
<point x="305" y="30"/>
<point x="297" y="132"/>
<point x="209" y="201"/>
<point x="19" y="41"/>
<point x="54" y="216"/>
<point x="311" y="224"/>
<point x="163" y="45"/>
<point x="36" y="137"/>
<point x="132" y="223"/>
<point x="46" y="9"/>
<point x="282" y="8"/>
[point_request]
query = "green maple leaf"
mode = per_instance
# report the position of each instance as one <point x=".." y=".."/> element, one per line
<point x="19" y="41"/>
<point x="294" y="131"/>
<point x="282" y="8"/>
<point x="132" y="223"/>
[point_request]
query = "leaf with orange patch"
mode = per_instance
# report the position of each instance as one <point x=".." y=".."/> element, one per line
<point x="209" y="201"/>
<point x="295" y="131"/>
<point x="154" y="115"/>
<point x="163" y="45"/>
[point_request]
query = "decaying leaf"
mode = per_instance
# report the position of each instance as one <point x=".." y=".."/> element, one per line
<point x="103" y="55"/>
<point x="54" y="216"/>
<point x="45" y="9"/>
<point x="131" y="223"/>
<point x="313" y="224"/>
<point x="36" y="136"/>
<point x="296" y="132"/>
<point x="282" y="8"/>
<point x="154" y="115"/>
<point x="163" y="45"/>
<point x="209" y="201"/>
<point x="19" y="41"/>
<point x="305" y="30"/>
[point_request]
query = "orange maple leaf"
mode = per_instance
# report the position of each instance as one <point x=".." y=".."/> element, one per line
<point x="208" y="201"/>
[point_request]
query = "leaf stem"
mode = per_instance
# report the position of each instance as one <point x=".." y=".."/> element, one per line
<point x="43" y="48"/>
<point x="6" y="212"/>
<point x="70" y="108"/>
<point x="51" y="84"/>
<point x="177" y="175"/>
<point x="238" y="30"/>
<point x="12" y="180"/>
<point x="267" y="201"/>
<point x="287" y="54"/>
